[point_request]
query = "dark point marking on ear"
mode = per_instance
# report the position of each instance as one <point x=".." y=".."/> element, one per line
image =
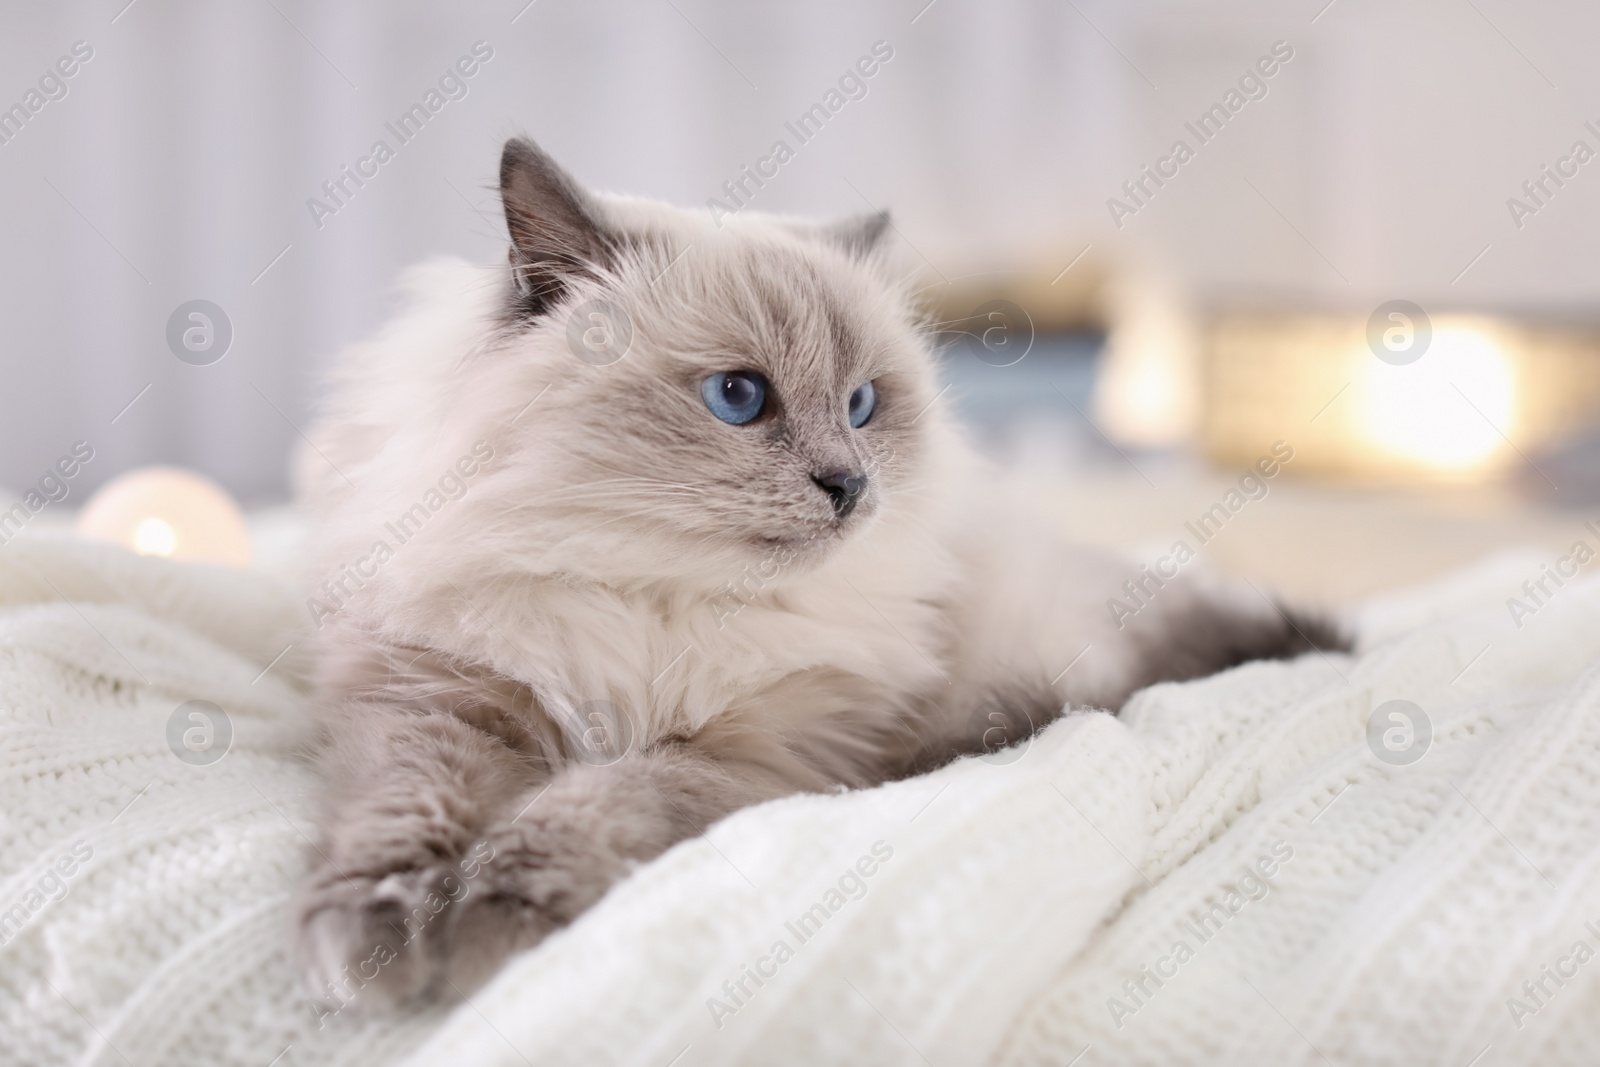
<point x="554" y="227"/>
<point x="858" y="235"/>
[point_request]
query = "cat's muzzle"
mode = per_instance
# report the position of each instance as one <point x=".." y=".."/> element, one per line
<point x="844" y="488"/>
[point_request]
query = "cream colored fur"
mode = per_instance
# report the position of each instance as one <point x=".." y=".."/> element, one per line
<point x="623" y="550"/>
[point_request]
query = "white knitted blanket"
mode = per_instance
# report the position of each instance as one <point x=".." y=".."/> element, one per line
<point x="1227" y="874"/>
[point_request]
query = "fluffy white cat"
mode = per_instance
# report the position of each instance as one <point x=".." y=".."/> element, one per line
<point x="660" y="520"/>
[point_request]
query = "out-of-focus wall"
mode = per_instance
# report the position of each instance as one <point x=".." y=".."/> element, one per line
<point x="179" y="162"/>
<point x="1380" y="162"/>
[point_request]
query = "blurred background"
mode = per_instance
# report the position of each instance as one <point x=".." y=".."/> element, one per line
<point x="1162" y="236"/>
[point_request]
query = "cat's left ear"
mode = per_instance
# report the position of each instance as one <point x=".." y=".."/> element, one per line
<point x="554" y="225"/>
<point x="859" y="235"/>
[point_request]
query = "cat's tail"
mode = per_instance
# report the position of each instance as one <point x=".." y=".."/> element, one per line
<point x="1230" y="626"/>
<point x="1311" y="631"/>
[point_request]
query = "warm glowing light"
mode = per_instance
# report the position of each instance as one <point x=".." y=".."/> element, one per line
<point x="1449" y="410"/>
<point x="154" y="537"/>
<point x="164" y="511"/>
<point x="1481" y="399"/>
<point x="1148" y="390"/>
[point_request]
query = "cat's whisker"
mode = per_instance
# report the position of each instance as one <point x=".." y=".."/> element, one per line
<point x="623" y="484"/>
<point x="576" y="493"/>
<point x="596" y="461"/>
<point x="634" y="481"/>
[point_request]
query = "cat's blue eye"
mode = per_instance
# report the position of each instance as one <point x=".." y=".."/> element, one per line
<point x="735" y="396"/>
<point x="862" y="401"/>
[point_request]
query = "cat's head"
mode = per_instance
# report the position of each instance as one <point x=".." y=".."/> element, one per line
<point x="707" y="394"/>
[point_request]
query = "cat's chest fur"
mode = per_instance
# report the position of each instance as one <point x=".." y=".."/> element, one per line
<point x="778" y="643"/>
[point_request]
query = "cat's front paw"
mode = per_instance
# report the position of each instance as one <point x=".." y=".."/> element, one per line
<point x="386" y="939"/>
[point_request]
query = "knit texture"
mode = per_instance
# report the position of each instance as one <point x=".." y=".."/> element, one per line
<point x="169" y="945"/>
<point x="1023" y="909"/>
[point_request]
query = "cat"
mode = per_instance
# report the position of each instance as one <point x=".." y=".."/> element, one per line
<point x="662" y="519"/>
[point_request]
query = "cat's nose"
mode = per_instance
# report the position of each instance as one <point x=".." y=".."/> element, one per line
<point x="843" y="488"/>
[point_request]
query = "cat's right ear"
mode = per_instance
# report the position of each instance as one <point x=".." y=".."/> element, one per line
<point x="555" y="234"/>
